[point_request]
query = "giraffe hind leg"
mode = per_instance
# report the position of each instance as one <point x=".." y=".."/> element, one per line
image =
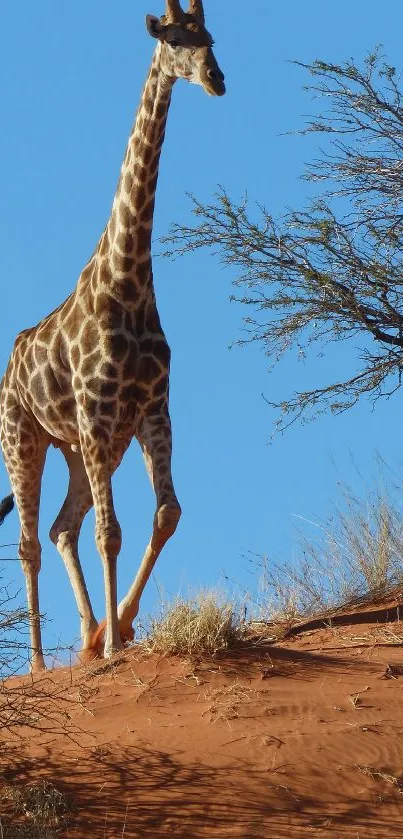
<point x="64" y="533"/>
<point x="24" y="455"/>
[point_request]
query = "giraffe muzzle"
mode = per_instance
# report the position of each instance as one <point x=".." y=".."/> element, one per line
<point x="214" y="81"/>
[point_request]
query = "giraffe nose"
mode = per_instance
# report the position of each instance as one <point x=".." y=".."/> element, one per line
<point x="215" y="75"/>
<point x="215" y="78"/>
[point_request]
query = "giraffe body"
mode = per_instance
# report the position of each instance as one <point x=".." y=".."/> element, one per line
<point x="95" y="372"/>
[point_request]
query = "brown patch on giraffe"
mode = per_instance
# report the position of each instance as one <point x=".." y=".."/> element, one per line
<point x="22" y="373"/>
<point x="90" y="363"/>
<point x="103" y="246"/>
<point x="139" y="172"/>
<point x="129" y="393"/>
<point x="152" y="323"/>
<point x="144" y="273"/>
<point x="93" y="387"/>
<point x="109" y="310"/>
<point x="99" y="433"/>
<point x="162" y="351"/>
<point x="104" y="272"/>
<point x="54" y="388"/>
<point x="125" y="241"/>
<point x="109" y="370"/>
<point x="128" y="181"/>
<point x="68" y="304"/>
<point x="40" y="354"/>
<point x="38" y="392"/>
<point x="138" y="393"/>
<point x="146" y="345"/>
<point x="108" y="408"/>
<point x="67" y="406"/>
<point x="152" y="183"/>
<point x="147" y="154"/>
<point x="156" y="407"/>
<point x="143" y="238"/>
<point x="130" y="367"/>
<point x="51" y="414"/>
<point x="147" y="211"/>
<point x="72" y="323"/>
<point x="75" y="355"/>
<point x="128" y="320"/>
<point x="118" y="346"/>
<point x="140" y="315"/>
<point x="108" y="389"/>
<point x="161" y="110"/>
<point x="126" y="216"/>
<point x="160" y="387"/>
<point x="125" y="264"/>
<point x="140" y="196"/>
<point x="148" y="105"/>
<point x="91" y="406"/>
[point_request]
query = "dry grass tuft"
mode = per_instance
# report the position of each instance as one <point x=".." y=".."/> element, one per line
<point x="202" y="625"/>
<point x="357" y="553"/>
<point x="376" y="774"/>
<point x="40" y="809"/>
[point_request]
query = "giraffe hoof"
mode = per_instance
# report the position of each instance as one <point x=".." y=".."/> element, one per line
<point x="96" y="643"/>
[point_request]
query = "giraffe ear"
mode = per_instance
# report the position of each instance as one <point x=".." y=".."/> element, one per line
<point x="153" y="26"/>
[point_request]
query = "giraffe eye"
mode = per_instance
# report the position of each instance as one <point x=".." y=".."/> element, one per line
<point x="174" y="43"/>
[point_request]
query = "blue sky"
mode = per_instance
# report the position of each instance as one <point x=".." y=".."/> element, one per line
<point x="71" y="80"/>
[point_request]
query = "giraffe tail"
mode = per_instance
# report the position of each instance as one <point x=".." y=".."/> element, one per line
<point x="6" y="505"/>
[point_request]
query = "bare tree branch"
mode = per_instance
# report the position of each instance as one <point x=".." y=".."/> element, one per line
<point x="333" y="271"/>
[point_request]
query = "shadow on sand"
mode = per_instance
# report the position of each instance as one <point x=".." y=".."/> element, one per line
<point x="145" y="794"/>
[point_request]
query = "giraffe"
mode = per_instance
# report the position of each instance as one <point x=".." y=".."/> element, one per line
<point x="95" y="372"/>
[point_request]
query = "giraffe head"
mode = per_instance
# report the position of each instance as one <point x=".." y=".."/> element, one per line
<point x="186" y="46"/>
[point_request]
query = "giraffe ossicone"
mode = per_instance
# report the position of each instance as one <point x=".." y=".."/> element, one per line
<point x="95" y="372"/>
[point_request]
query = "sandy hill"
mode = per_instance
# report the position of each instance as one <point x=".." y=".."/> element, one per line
<point x="302" y="737"/>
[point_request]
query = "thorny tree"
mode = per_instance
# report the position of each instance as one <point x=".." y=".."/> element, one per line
<point x="335" y="270"/>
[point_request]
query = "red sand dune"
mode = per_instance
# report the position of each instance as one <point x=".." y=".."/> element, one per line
<point x="298" y="738"/>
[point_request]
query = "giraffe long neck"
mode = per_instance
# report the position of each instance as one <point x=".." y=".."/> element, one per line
<point x="126" y="243"/>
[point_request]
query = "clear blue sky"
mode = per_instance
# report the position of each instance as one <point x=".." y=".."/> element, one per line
<point x="71" y="79"/>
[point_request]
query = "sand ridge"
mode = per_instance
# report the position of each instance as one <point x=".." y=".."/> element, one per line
<point x="303" y="735"/>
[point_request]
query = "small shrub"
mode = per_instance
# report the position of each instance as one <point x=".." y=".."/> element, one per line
<point x="42" y="806"/>
<point x="200" y="625"/>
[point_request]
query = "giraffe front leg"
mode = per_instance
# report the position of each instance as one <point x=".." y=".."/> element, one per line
<point x="108" y="538"/>
<point x="155" y="439"/>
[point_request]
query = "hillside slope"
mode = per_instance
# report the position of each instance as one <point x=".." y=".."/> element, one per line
<point x="301" y="736"/>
